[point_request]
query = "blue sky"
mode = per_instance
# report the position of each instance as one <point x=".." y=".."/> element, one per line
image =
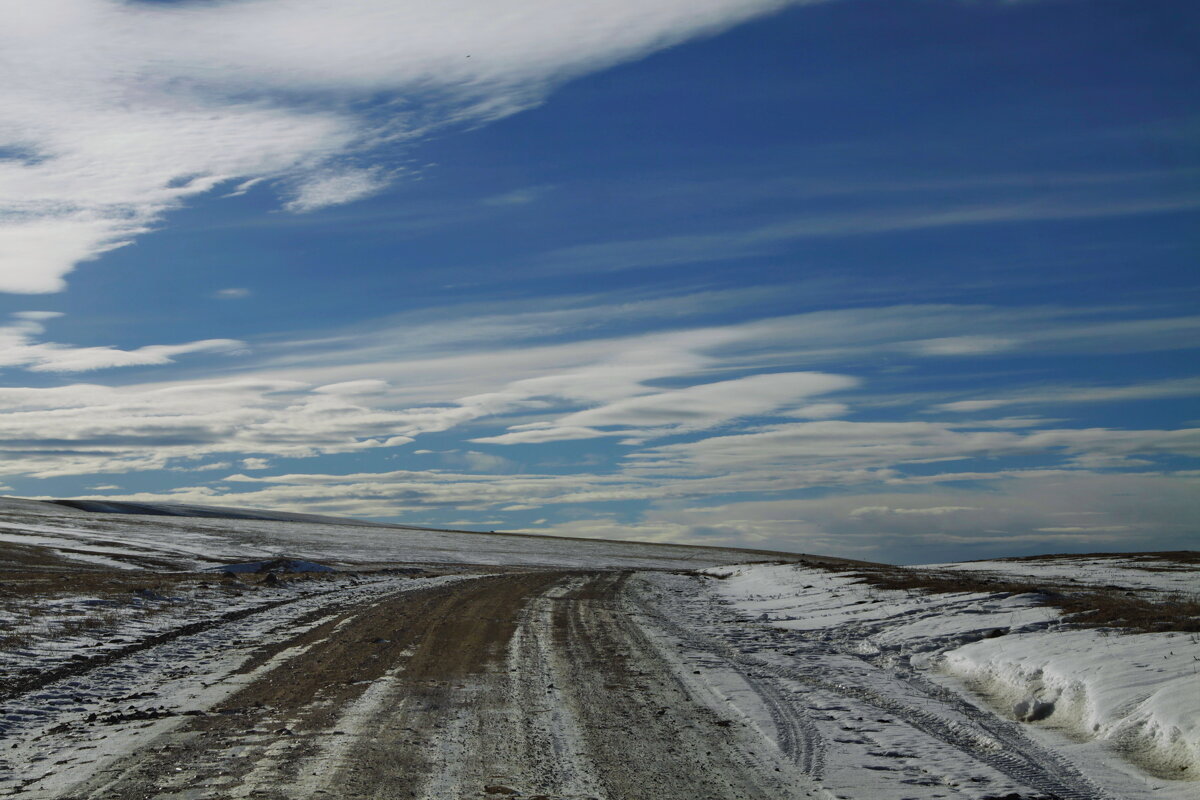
<point x="905" y="280"/>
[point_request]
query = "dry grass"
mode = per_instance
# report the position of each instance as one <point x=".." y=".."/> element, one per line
<point x="1164" y="561"/>
<point x="1083" y="606"/>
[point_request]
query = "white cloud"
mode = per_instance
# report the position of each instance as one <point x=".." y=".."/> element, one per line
<point x="540" y="433"/>
<point x="366" y="386"/>
<point x="962" y="345"/>
<point x="518" y="197"/>
<point x="473" y="349"/>
<point x="381" y="386"/>
<point x="1058" y="395"/>
<point x="232" y="293"/>
<point x="121" y="112"/>
<point x="390" y="493"/>
<point x="487" y="462"/>
<point x="687" y="248"/>
<point x="841" y="445"/>
<point x="88" y="428"/>
<point x="935" y="511"/>
<point x="693" y="408"/>
<point x="19" y="348"/>
<point x="704" y="405"/>
<point x="818" y="411"/>
<point x="335" y="188"/>
<point x="1021" y="513"/>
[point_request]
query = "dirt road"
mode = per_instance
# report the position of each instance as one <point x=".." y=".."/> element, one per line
<point x="539" y="685"/>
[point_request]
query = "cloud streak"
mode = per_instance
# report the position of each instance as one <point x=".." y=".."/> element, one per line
<point x="511" y="379"/>
<point x="19" y="348"/>
<point x="117" y="113"/>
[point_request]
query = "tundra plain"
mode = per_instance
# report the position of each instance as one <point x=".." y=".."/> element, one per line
<point x="189" y="653"/>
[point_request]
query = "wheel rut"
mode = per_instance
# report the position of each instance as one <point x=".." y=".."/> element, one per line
<point x="975" y="732"/>
<point x="539" y="684"/>
<point x="557" y="685"/>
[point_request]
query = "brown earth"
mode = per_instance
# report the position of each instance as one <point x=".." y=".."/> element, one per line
<point x="1083" y="605"/>
<point x="540" y="685"/>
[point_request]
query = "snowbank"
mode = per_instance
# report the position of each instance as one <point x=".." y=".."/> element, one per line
<point x="1140" y="693"/>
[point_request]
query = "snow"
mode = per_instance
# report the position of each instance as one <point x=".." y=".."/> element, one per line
<point x="1092" y="693"/>
<point x="1137" y="573"/>
<point x="1140" y="693"/>
<point x="193" y="671"/>
<point x="876" y="620"/>
<point x="203" y="542"/>
<point x="870" y="665"/>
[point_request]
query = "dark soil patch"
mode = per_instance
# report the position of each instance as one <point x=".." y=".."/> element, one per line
<point x="1082" y="606"/>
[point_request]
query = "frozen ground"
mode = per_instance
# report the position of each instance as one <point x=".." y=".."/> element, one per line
<point x="53" y="532"/>
<point x="1121" y="709"/>
<point x="435" y="664"/>
<point x="1156" y="572"/>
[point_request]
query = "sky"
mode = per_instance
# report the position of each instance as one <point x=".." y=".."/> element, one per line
<point x="898" y="280"/>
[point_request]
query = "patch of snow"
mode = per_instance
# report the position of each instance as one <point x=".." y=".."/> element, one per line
<point x="1139" y="573"/>
<point x="203" y="542"/>
<point x="1090" y="693"/>
<point x="1140" y="693"/>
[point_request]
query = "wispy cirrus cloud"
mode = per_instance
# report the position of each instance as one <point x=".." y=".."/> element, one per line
<point x="690" y="409"/>
<point x="873" y="219"/>
<point x="1061" y="395"/>
<point x="93" y="429"/>
<point x="1057" y="508"/>
<point x="771" y="455"/>
<point x="19" y="348"/>
<point x="687" y="410"/>
<point x="1040" y="508"/>
<point x="513" y="377"/>
<point x="116" y="113"/>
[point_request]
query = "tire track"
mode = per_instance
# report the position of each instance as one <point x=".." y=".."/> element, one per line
<point x="159" y="676"/>
<point x="797" y="735"/>
<point x="626" y="693"/>
<point x="988" y="739"/>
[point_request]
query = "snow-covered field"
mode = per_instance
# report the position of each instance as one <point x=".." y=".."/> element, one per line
<point x="1124" y="708"/>
<point x="1152" y="572"/>
<point x="132" y="541"/>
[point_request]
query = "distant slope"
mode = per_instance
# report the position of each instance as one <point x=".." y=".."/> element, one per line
<point x="102" y="534"/>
